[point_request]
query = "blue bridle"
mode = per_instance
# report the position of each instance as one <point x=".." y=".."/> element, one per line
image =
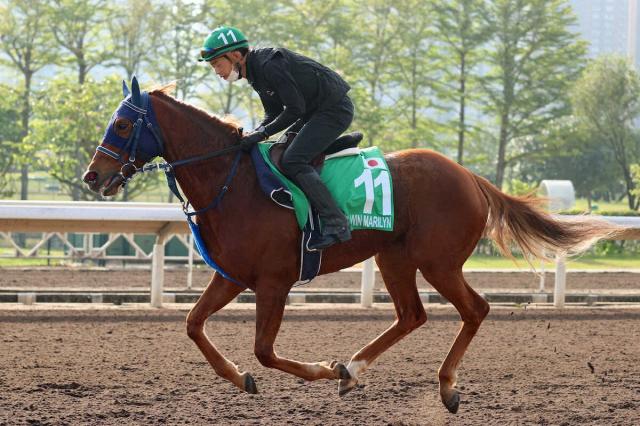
<point x="145" y="145"/>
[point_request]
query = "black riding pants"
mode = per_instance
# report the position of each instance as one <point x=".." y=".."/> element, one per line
<point x="322" y="128"/>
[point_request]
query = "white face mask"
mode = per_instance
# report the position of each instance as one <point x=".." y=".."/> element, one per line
<point x="235" y="73"/>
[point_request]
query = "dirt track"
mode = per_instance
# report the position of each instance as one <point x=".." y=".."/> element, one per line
<point x="138" y="367"/>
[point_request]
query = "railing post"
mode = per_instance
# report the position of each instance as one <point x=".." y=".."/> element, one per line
<point x="561" y="277"/>
<point x="368" y="277"/>
<point x="542" y="275"/>
<point x="157" y="274"/>
<point x="190" y="273"/>
<point x="157" y="268"/>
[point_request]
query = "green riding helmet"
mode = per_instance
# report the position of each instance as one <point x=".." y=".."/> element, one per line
<point x="220" y="41"/>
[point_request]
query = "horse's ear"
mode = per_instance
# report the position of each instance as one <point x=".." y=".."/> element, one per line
<point x="125" y="89"/>
<point x="135" y="92"/>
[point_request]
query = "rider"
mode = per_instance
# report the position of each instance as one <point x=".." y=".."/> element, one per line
<point x="297" y="93"/>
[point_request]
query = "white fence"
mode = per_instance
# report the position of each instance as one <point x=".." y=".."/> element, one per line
<point x="633" y="227"/>
<point x="164" y="220"/>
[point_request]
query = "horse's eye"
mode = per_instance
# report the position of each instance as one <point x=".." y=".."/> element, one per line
<point x="122" y="127"/>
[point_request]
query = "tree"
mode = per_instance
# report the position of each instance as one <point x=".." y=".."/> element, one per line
<point x="606" y="102"/>
<point x="178" y="50"/>
<point x="565" y="150"/>
<point x="71" y="119"/>
<point x="27" y="49"/>
<point x="534" y="58"/>
<point x="135" y="30"/>
<point x="370" y="60"/>
<point x="10" y="134"/>
<point x="78" y="27"/>
<point x="462" y="32"/>
<point x="310" y="27"/>
<point x="635" y="172"/>
<point x="415" y="66"/>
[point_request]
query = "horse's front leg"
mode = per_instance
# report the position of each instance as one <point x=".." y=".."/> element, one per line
<point x="270" y="302"/>
<point x="218" y="294"/>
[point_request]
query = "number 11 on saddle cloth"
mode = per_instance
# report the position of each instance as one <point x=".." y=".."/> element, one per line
<point x="360" y="182"/>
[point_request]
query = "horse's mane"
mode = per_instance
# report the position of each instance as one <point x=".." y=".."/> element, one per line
<point x="163" y="91"/>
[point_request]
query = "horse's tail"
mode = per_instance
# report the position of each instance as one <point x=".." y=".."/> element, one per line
<point x="521" y="220"/>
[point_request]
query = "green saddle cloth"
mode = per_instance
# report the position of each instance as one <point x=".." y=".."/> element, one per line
<point x="359" y="181"/>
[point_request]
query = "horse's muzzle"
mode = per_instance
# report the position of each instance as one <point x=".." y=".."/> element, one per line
<point x="105" y="186"/>
<point x="90" y="177"/>
<point x="111" y="185"/>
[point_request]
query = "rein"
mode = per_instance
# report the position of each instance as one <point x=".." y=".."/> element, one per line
<point x="129" y="169"/>
<point x="171" y="179"/>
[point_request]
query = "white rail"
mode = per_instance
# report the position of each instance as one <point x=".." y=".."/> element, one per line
<point x="164" y="220"/>
<point x="632" y="223"/>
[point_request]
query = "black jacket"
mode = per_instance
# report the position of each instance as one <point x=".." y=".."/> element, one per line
<point x="291" y="86"/>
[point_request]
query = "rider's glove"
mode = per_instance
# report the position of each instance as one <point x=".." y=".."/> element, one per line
<point x="253" y="138"/>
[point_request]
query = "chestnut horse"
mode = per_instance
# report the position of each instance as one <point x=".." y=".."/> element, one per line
<point x="441" y="211"/>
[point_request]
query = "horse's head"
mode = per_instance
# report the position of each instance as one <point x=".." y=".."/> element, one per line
<point x="131" y="139"/>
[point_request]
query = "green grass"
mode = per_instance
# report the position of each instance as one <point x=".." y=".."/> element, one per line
<point x="6" y="261"/>
<point x="592" y="262"/>
<point x="602" y="206"/>
<point x="18" y="262"/>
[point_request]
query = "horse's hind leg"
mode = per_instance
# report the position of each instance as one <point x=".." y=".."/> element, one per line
<point x="473" y="309"/>
<point x="219" y="293"/>
<point x="399" y="276"/>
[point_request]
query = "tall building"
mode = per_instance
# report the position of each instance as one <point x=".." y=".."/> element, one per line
<point x="605" y="24"/>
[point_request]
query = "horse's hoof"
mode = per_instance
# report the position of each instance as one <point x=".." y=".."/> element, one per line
<point x="346" y="385"/>
<point x="342" y="371"/>
<point x="250" y="384"/>
<point x="453" y="403"/>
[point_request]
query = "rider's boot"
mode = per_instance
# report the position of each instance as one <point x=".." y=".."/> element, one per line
<point x="335" y="226"/>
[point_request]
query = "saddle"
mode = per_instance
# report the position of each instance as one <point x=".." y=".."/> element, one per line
<point x="349" y="140"/>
